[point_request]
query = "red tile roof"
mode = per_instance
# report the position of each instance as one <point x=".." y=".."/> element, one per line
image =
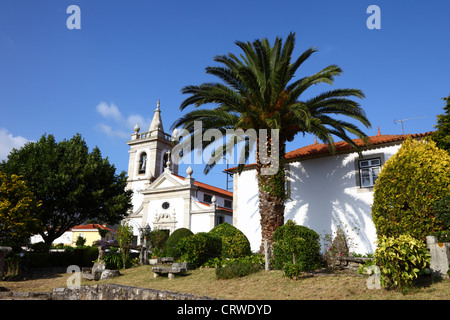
<point x="341" y="146"/>
<point x="92" y="226"/>
<point x="321" y="149"/>
<point x="209" y="187"/>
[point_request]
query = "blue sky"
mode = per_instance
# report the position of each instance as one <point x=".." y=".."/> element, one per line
<point x="103" y="78"/>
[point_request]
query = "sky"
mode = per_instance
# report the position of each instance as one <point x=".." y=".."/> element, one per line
<point x="103" y="78"/>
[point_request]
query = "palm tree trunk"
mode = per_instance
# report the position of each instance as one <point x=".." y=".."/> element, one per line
<point x="272" y="195"/>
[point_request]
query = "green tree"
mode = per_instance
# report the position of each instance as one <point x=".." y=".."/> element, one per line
<point x="73" y="184"/>
<point x="442" y="135"/>
<point x="18" y="208"/>
<point x="125" y="238"/>
<point x="260" y="91"/>
<point x="410" y="182"/>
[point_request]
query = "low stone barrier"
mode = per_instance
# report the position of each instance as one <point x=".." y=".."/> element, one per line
<point x="120" y="292"/>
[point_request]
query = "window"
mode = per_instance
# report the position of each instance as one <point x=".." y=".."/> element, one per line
<point x="142" y="162"/>
<point x="369" y="169"/>
<point x="207" y="198"/>
<point x="165" y="205"/>
<point x="228" y="204"/>
<point x="219" y="220"/>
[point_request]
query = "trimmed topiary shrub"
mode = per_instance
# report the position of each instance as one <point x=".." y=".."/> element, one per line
<point x="199" y="248"/>
<point x="174" y="239"/>
<point x="234" y="243"/>
<point x="410" y="182"/>
<point x="297" y="245"/>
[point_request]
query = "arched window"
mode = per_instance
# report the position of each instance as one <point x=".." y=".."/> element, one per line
<point x="165" y="158"/>
<point x="142" y="163"/>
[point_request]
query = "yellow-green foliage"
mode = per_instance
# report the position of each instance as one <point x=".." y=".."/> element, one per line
<point x="400" y="259"/>
<point x="17" y="210"/>
<point x="409" y="183"/>
<point x="234" y="243"/>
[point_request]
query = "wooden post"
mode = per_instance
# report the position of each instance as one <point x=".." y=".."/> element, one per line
<point x="267" y="255"/>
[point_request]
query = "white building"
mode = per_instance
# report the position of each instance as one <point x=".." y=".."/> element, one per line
<point x="162" y="198"/>
<point x="325" y="190"/>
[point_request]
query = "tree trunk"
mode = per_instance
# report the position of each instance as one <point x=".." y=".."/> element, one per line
<point x="272" y="195"/>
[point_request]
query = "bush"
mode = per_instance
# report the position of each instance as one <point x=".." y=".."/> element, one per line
<point x="199" y="248"/>
<point x="82" y="257"/>
<point x="298" y="245"/>
<point x="158" y="240"/>
<point x="410" y="182"/>
<point x="400" y="259"/>
<point x="236" y="270"/>
<point x="234" y="243"/>
<point x="256" y="259"/>
<point x="114" y="260"/>
<point x="441" y="210"/>
<point x="174" y="239"/>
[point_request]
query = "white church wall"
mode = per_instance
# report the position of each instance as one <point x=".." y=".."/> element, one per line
<point x="323" y="195"/>
<point x="176" y="205"/>
<point x="200" y="222"/>
<point x="138" y="197"/>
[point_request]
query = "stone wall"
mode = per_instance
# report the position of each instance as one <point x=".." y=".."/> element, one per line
<point x="101" y="292"/>
<point x="119" y="292"/>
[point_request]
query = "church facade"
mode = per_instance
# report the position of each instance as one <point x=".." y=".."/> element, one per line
<point x="163" y="199"/>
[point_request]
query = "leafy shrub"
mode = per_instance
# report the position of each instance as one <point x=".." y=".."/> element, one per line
<point x="158" y="240"/>
<point x="292" y="270"/>
<point x="408" y="185"/>
<point x="400" y="259"/>
<point x="256" y="259"/>
<point x="236" y="270"/>
<point x="174" y="239"/>
<point x="441" y="210"/>
<point x="114" y="260"/>
<point x="442" y="236"/>
<point x="199" y="248"/>
<point x="234" y="243"/>
<point x="298" y="245"/>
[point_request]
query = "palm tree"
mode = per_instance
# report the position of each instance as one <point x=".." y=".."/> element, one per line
<point x="259" y="91"/>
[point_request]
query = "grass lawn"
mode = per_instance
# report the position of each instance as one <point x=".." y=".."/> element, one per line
<point x="271" y="285"/>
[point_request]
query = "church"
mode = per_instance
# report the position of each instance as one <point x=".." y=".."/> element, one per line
<point x="163" y="199"/>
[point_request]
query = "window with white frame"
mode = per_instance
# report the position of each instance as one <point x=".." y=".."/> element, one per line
<point x="369" y="169"/>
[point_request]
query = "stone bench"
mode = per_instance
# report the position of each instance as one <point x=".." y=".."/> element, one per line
<point x="176" y="268"/>
<point x="163" y="260"/>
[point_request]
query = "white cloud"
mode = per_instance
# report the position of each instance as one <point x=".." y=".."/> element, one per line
<point x="110" y="111"/>
<point x="122" y="127"/>
<point x="8" y="142"/>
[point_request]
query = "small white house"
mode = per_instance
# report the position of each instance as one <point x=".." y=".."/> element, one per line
<point x="325" y="190"/>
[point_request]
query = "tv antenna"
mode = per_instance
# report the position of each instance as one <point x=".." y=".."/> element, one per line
<point x="403" y="131"/>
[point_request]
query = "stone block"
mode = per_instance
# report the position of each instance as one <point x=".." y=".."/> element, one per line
<point x="440" y="257"/>
<point x="108" y="274"/>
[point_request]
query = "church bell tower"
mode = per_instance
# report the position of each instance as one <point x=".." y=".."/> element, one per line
<point x="149" y="152"/>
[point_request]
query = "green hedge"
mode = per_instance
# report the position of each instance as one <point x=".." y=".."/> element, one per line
<point x="82" y="257"/>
